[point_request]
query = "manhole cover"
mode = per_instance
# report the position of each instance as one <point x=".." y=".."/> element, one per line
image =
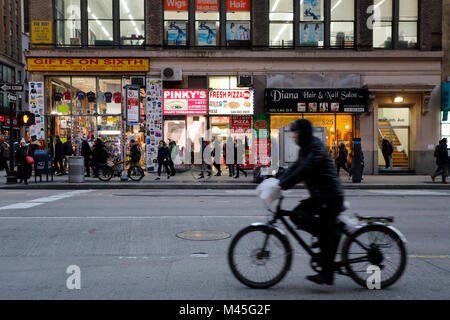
<point x="203" y="235"/>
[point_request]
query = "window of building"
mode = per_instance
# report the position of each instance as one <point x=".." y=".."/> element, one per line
<point x="342" y="23"/>
<point x="100" y="22"/>
<point x="311" y="23"/>
<point x="132" y="25"/>
<point x="407" y="24"/>
<point x="176" y="21"/>
<point x="281" y="17"/>
<point x="207" y="16"/>
<point x="68" y="22"/>
<point x="238" y="23"/>
<point x="223" y="82"/>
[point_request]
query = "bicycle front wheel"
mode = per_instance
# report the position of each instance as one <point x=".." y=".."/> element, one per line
<point x="374" y="246"/>
<point x="135" y="173"/>
<point x="259" y="256"/>
<point x="105" y="173"/>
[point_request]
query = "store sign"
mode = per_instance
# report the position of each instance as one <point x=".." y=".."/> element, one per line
<point x="185" y="102"/>
<point x="231" y="102"/>
<point x="206" y="5"/>
<point x="88" y="64"/>
<point x="176" y="5"/>
<point x="261" y="140"/>
<point x="316" y="100"/>
<point x="241" y="124"/>
<point x="446" y="96"/>
<point x="132" y="105"/>
<point x="238" y="5"/>
<point x="41" y="34"/>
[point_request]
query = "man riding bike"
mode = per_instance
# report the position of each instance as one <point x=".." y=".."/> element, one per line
<point x="317" y="214"/>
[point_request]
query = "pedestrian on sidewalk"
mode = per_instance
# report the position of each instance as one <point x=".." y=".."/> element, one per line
<point x="387" y="151"/>
<point x="68" y="152"/>
<point x="172" y="153"/>
<point x="23" y="167"/>
<point x="99" y="155"/>
<point x="217" y="157"/>
<point x="228" y="147"/>
<point x="163" y="159"/>
<point x="86" y="154"/>
<point x="341" y="161"/>
<point x="34" y="145"/>
<point x="441" y="155"/>
<point x="59" y="156"/>
<point x="135" y="152"/>
<point x="4" y="155"/>
<point x="239" y="150"/>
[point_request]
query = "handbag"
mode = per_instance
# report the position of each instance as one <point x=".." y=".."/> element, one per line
<point x="29" y="160"/>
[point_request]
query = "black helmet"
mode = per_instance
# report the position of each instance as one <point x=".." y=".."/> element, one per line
<point x="304" y="129"/>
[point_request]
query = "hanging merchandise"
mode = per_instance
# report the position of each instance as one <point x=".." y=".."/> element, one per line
<point x="154" y="121"/>
<point x="36" y="106"/>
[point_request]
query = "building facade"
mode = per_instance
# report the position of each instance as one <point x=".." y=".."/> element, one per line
<point x="358" y="69"/>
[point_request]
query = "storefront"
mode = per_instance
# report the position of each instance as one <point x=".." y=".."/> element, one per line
<point x="445" y="107"/>
<point x="336" y="110"/>
<point x="86" y="104"/>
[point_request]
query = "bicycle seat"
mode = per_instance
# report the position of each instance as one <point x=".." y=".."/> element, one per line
<point x="375" y="219"/>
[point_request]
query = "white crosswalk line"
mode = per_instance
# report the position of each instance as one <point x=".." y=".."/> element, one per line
<point x="39" y="201"/>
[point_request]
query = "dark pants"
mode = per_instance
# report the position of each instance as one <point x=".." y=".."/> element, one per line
<point x="387" y="160"/>
<point x="166" y="167"/>
<point x="60" y="164"/>
<point x="217" y="166"/>
<point x="3" y="165"/>
<point x="238" y="168"/>
<point x="442" y="171"/>
<point x="319" y="219"/>
<point x="343" y="166"/>
<point x="172" y="169"/>
<point x="231" y="169"/>
<point x="87" y="165"/>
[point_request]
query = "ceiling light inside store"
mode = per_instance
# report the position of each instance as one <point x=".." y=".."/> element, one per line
<point x="398" y="99"/>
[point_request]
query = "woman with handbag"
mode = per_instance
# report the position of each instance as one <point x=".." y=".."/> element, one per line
<point x="24" y="162"/>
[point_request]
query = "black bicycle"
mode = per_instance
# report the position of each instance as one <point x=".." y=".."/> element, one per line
<point x="260" y="255"/>
<point x="106" y="172"/>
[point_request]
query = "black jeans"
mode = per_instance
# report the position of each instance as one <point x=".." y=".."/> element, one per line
<point x="59" y="162"/>
<point x="87" y="165"/>
<point x="387" y="160"/>
<point x="441" y="170"/>
<point x="166" y="167"/>
<point x="319" y="218"/>
<point x="343" y="166"/>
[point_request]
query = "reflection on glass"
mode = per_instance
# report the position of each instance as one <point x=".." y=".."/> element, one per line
<point x="342" y="34"/>
<point x="281" y="34"/>
<point x="342" y="10"/>
<point x="382" y="35"/>
<point x="132" y="32"/>
<point x="407" y="37"/>
<point x="132" y="9"/>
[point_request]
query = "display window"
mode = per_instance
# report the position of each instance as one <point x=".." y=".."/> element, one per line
<point x="176" y="19"/>
<point x="238" y="23"/>
<point x="207" y="23"/>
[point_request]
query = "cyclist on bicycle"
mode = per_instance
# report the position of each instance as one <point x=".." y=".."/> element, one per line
<point x="318" y="214"/>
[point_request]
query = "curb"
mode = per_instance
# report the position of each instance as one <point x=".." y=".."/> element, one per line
<point x="205" y="186"/>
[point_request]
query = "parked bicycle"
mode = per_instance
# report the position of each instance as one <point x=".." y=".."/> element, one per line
<point x="106" y="172"/>
<point x="260" y="255"/>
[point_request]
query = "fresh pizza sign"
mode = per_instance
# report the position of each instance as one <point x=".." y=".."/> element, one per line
<point x="231" y="102"/>
<point x="185" y="102"/>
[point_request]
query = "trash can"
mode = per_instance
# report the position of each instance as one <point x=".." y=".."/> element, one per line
<point x="356" y="160"/>
<point x="76" y="169"/>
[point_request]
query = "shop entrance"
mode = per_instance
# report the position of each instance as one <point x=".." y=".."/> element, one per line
<point x="393" y="124"/>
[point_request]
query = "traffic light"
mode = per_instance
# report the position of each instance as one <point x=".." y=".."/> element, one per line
<point x="25" y="119"/>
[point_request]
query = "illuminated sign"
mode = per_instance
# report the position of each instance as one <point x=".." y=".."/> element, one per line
<point x="185" y="102"/>
<point x="89" y="64"/>
<point x="231" y="102"/>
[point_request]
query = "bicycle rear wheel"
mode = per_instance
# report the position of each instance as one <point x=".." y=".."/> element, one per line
<point x="105" y="173"/>
<point x="135" y="173"/>
<point x="374" y="245"/>
<point x="259" y="256"/>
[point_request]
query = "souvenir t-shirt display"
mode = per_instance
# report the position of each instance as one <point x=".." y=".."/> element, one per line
<point x="100" y="97"/>
<point x="108" y="97"/>
<point x="90" y="96"/>
<point x="57" y="96"/>
<point x="117" y="96"/>
<point x="80" y="95"/>
<point x="66" y="95"/>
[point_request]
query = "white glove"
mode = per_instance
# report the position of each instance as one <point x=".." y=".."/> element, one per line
<point x="269" y="190"/>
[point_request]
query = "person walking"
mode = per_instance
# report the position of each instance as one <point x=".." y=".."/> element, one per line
<point x="239" y="150"/>
<point x="99" y="155"/>
<point x="217" y="157"/>
<point x="441" y="155"/>
<point x="341" y="161"/>
<point x="163" y="159"/>
<point x="387" y="151"/>
<point x="172" y="153"/>
<point x="135" y="152"/>
<point x="23" y="167"/>
<point x="229" y="146"/>
<point x="4" y="155"/>
<point x="68" y="152"/>
<point x="59" y="156"/>
<point x="86" y="154"/>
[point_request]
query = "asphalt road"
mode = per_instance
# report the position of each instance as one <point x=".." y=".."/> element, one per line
<point x="126" y="246"/>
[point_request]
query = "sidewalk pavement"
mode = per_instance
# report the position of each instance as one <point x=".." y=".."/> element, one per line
<point x="185" y="180"/>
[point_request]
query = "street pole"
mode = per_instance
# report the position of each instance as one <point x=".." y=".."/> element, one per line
<point x="12" y="175"/>
<point x="123" y="139"/>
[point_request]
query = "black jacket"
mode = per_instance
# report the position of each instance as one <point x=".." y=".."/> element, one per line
<point x="68" y="149"/>
<point x="315" y="167"/>
<point x="441" y="154"/>
<point x="59" y="149"/>
<point x="163" y="154"/>
<point x="99" y="154"/>
<point x="85" y="149"/>
<point x="387" y="148"/>
<point x="135" y="153"/>
<point x="342" y="156"/>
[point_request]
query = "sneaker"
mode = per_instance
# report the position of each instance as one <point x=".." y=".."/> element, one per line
<point x="158" y="178"/>
<point x="320" y="279"/>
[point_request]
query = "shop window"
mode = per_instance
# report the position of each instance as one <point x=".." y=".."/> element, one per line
<point x="100" y="23"/>
<point x="68" y="22"/>
<point x="132" y="25"/>
<point x="108" y="130"/>
<point x="60" y="94"/>
<point x="207" y="23"/>
<point x="311" y="23"/>
<point x="342" y="23"/>
<point x="224" y="83"/>
<point x="407" y="24"/>
<point x="281" y="16"/>
<point x="83" y="95"/>
<point x="238" y="23"/>
<point x="107" y="90"/>
<point x="176" y="23"/>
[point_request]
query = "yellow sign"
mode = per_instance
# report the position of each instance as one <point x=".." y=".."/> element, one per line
<point x="41" y="33"/>
<point x="89" y="64"/>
